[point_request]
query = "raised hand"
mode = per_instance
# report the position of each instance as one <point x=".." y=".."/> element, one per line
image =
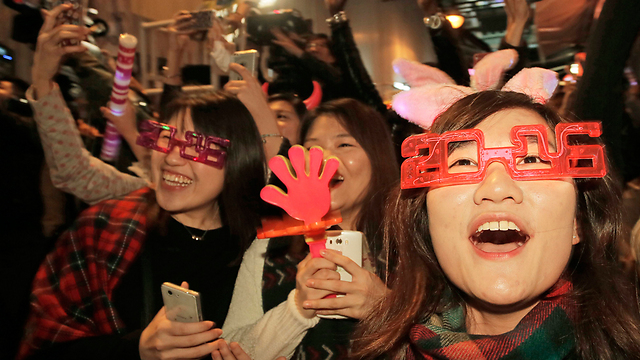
<point x="518" y="12"/>
<point x="334" y="6"/>
<point x="429" y="7"/>
<point x="286" y="43"/>
<point x="248" y="90"/>
<point x="49" y="53"/>
<point x="308" y="198"/>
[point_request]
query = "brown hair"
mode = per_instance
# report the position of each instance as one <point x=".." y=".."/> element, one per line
<point x="608" y="312"/>
<point x="370" y="130"/>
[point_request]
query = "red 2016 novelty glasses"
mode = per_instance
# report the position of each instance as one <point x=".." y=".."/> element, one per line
<point x="209" y="150"/>
<point x="459" y="157"/>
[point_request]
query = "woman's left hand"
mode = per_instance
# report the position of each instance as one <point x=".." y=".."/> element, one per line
<point x="231" y="351"/>
<point x="248" y="90"/>
<point x="361" y="293"/>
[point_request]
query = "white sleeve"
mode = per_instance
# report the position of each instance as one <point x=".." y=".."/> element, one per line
<point x="262" y="336"/>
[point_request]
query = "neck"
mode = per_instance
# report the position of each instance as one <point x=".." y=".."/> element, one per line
<point x="486" y="321"/>
<point x="203" y="219"/>
<point x="349" y="218"/>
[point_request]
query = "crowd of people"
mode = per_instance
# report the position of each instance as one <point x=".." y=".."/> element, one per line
<point x="493" y="221"/>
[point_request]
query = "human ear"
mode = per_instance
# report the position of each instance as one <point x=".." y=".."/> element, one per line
<point x="576" y="236"/>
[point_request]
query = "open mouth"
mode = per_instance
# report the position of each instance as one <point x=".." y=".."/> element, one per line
<point x="173" y="179"/>
<point x="336" y="181"/>
<point x="499" y="237"/>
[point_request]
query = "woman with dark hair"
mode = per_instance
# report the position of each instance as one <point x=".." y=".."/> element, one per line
<point x="275" y="304"/>
<point x="502" y="268"/>
<point x="193" y="224"/>
<point x="96" y="294"/>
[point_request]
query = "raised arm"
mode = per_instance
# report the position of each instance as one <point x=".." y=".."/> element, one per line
<point x="72" y="168"/>
<point x="348" y="57"/>
<point x="250" y="93"/>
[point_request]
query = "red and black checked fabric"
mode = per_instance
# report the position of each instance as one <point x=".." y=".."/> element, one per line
<point x="546" y="332"/>
<point x="71" y="295"/>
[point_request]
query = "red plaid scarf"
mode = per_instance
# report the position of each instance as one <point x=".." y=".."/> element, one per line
<point x="71" y="297"/>
<point x="546" y="332"/>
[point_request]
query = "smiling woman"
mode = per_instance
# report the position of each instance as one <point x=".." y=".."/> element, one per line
<point x="192" y="224"/>
<point x="503" y="268"/>
<point x="271" y="318"/>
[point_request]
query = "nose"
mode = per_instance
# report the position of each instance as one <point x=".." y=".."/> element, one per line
<point x="498" y="186"/>
<point x="173" y="158"/>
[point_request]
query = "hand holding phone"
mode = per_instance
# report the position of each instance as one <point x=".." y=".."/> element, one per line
<point x="72" y="16"/>
<point x="246" y="58"/>
<point x="181" y="304"/>
<point x="49" y="53"/>
<point x="183" y="340"/>
<point x="364" y="290"/>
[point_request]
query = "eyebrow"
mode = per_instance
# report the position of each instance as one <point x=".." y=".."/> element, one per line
<point x="533" y="139"/>
<point x="342" y="135"/>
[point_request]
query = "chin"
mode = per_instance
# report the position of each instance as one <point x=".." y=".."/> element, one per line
<point x="505" y="296"/>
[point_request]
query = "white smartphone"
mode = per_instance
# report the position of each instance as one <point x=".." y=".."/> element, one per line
<point x="246" y="58"/>
<point x="350" y="244"/>
<point x="181" y="304"/>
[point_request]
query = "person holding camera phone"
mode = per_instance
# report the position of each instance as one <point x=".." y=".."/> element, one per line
<point x="97" y="295"/>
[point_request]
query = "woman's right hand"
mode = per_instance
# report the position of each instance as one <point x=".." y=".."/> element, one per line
<point x="49" y="53"/>
<point x="180" y="30"/>
<point x="286" y="42"/>
<point x="318" y="268"/>
<point x="166" y="339"/>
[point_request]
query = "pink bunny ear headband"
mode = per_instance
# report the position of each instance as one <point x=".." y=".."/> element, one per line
<point x="432" y="91"/>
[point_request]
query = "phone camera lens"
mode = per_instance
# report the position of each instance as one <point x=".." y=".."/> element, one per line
<point x="339" y="241"/>
<point x="170" y="292"/>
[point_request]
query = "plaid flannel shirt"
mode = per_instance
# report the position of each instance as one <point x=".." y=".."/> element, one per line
<point x="72" y="290"/>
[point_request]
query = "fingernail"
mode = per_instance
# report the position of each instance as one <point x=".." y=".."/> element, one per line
<point x="311" y="283"/>
<point x="323" y="252"/>
<point x="306" y="304"/>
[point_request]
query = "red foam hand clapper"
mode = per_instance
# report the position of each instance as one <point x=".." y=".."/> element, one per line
<point x="308" y="198"/>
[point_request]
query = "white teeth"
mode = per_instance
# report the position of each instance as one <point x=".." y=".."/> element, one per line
<point x="176" y="180"/>
<point x="502" y="225"/>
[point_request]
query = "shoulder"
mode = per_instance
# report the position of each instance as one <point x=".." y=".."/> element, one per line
<point x="256" y="253"/>
<point x="123" y="207"/>
<point x="116" y="223"/>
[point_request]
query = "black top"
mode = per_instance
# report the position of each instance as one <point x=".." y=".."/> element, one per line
<point x="210" y="266"/>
